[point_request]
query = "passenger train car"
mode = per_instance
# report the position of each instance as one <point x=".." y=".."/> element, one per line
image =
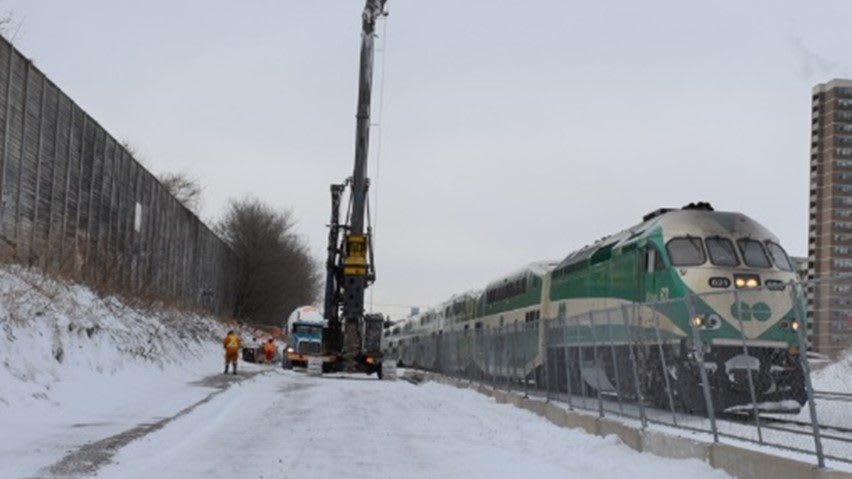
<point x="719" y="274"/>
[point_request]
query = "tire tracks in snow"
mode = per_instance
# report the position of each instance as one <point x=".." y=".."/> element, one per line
<point x="88" y="458"/>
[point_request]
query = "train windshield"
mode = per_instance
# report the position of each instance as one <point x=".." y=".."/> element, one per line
<point x="753" y="253"/>
<point x="686" y="251"/>
<point x="779" y="256"/>
<point x="722" y="251"/>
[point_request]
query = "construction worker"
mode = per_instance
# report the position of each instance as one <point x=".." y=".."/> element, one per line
<point x="269" y="350"/>
<point x="232" y="350"/>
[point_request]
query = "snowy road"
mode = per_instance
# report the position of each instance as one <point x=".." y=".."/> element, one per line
<point x="288" y="425"/>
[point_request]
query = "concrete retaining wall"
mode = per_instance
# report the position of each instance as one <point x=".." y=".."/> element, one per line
<point x="739" y="462"/>
<point x="666" y="445"/>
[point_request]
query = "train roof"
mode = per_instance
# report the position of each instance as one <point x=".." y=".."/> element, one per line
<point x="693" y="219"/>
<point x="538" y="268"/>
<point x="473" y="293"/>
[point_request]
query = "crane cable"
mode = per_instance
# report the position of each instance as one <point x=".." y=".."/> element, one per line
<point x="378" y="150"/>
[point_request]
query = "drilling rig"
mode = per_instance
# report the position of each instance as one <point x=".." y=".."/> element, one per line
<point x="351" y="335"/>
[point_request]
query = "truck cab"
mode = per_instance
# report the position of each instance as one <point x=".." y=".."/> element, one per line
<point x="305" y="328"/>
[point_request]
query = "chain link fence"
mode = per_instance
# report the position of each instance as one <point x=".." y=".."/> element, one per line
<point x="74" y="201"/>
<point x="742" y="376"/>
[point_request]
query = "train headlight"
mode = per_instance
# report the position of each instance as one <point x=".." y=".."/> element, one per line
<point x="794" y="325"/>
<point x="698" y="321"/>
<point x="290" y="350"/>
<point x="746" y="281"/>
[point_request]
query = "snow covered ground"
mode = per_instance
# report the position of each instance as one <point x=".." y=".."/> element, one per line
<point x="288" y="425"/>
<point x="835" y="375"/>
<point x="75" y="367"/>
<point x="92" y="386"/>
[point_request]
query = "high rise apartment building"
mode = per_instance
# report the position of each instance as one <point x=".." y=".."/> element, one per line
<point x="830" y="225"/>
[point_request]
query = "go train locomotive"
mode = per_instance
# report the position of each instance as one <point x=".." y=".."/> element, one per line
<point x="680" y="273"/>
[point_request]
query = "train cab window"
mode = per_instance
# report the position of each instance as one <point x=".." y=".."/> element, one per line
<point x="779" y="256"/>
<point x="753" y="253"/>
<point x="721" y="251"/>
<point x="686" y="251"/>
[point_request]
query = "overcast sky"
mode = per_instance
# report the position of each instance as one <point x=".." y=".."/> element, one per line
<point x="511" y="131"/>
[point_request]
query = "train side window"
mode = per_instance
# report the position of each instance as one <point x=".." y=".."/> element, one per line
<point x="779" y="256"/>
<point x="652" y="261"/>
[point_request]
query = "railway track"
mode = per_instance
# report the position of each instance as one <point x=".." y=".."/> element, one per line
<point x="833" y="396"/>
<point x="804" y="428"/>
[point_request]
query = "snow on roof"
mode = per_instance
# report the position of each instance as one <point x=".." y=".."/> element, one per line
<point x="539" y="268"/>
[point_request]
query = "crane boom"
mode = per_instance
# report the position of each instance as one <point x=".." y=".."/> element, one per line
<point x="349" y="267"/>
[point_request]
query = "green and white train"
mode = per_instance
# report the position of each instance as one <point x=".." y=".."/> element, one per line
<point x="679" y="273"/>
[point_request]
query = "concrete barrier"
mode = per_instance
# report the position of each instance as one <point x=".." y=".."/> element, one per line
<point x="554" y="414"/>
<point x="831" y="474"/>
<point x="515" y="400"/>
<point x="501" y="396"/>
<point x="674" y="447"/>
<point x="483" y="390"/>
<point x="748" y="464"/>
<point x="533" y="405"/>
<point x="630" y="436"/>
<point x="582" y="421"/>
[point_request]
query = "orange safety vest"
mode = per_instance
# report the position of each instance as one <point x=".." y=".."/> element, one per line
<point x="231" y="343"/>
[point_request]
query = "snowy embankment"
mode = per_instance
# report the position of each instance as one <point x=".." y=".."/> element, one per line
<point x="834" y="377"/>
<point x="76" y="367"/>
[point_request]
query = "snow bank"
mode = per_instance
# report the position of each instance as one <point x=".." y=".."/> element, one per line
<point x="59" y="340"/>
<point x="76" y="367"/>
<point x="835" y="376"/>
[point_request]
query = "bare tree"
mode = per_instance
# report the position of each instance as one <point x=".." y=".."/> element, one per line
<point x="9" y="27"/>
<point x="277" y="273"/>
<point x="186" y="189"/>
